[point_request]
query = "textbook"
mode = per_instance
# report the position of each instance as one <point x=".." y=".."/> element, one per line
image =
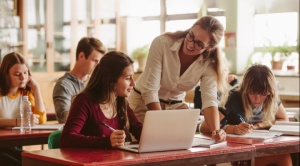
<point x="257" y="134"/>
<point x="44" y="127"/>
<point x="287" y="128"/>
<point x="206" y="142"/>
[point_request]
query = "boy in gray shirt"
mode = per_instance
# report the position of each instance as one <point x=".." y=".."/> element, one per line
<point x="88" y="54"/>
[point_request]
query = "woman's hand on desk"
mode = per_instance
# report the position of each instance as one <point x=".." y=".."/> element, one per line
<point x="219" y="135"/>
<point x="242" y="128"/>
<point x="117" y="138"/>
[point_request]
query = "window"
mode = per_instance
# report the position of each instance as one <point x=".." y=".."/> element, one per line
<point x="276" y="29"/>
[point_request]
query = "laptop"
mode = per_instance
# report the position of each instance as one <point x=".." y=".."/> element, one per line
<point x="165" y="130"/>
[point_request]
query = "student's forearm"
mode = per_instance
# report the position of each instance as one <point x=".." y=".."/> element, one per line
<point x="4" y="122"/>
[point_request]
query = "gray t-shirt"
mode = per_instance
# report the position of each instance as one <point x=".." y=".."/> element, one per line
<point x="64" y="90"/>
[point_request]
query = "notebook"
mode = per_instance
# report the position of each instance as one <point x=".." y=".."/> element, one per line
<point x="44" y="127"/>
<point x="287" y="128"/>
<point x="257" y="134"/>
<point x="207" y="142"/>
<point x="165" y="130"/>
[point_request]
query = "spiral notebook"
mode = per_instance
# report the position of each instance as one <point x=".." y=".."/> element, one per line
<point x="165" y="130"/>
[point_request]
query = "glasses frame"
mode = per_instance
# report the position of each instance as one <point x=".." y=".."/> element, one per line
<point x="196" y="43"/>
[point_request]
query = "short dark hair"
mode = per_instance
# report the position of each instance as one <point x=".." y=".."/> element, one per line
<point x="87" y="45"/>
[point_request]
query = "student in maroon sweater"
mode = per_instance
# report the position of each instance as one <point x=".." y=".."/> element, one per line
<point x="103" y="100"/>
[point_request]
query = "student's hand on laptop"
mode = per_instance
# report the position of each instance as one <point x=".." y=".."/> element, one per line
<point x="219" y="135"/>
<point x="117" y="138"/>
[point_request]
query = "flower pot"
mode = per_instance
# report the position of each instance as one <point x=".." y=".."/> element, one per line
<point x="277" y="65"/>
<point x="141" y="62"/>
<point x="290" y="67"/>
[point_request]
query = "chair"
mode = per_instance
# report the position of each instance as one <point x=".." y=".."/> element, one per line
<point x="53" y="139"/>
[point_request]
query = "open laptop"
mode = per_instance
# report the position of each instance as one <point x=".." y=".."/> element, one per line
<point x="165" y="130"/>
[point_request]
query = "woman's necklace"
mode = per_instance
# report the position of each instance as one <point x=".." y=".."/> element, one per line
<point x="107" y="109"/>
<point x="104" y="106"/>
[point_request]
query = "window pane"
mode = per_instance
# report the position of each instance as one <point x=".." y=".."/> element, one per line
<point x="105" y="9"/>
<point x="140" y="8"/>
<point x="67" y="10"/>
<point x="276" y="29"/>
<point x="81" y="10"/>
<point x="183" y="7"/>
<point x="172" y="26"/>
<point x="108" y="35"/>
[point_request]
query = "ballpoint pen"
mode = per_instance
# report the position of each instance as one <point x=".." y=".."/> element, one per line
<point x="223" y="124"/>
<point x="106" y="125"/>
<point x="241" y="118"/>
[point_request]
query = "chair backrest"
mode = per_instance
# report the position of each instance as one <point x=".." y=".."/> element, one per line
<point x="54" y="139"/>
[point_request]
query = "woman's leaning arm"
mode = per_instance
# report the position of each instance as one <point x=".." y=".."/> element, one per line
<point x="212" y="120"/>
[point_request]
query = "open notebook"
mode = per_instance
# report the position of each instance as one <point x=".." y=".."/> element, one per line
<point x="287" y="128"/>
<point x="165" y="130"/>
<point x="44" y="127"/>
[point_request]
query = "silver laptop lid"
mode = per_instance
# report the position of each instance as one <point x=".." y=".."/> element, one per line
<point x="168" y="130"/>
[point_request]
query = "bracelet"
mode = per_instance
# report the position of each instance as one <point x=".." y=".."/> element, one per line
<point x="233" y="129"/>
<point x="216" y="131"/>
<point x="225" y="127"/>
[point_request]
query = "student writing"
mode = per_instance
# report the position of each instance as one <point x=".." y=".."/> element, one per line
<point x="254" y="104"/>
<point x="103" y="100"/>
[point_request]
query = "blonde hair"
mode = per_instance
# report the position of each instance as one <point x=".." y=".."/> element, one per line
<point x="260" y="79"/>
<point x="220" y="64"/>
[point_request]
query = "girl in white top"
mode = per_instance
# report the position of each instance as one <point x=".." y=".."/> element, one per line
<point x="16" y="82"/>
<point x="176" y="63"/>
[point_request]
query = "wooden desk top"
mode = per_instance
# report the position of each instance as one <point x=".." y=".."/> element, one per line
<point x="247" y="149"/>
<point x="12" y="138"/>
<point x="193" y="156"/>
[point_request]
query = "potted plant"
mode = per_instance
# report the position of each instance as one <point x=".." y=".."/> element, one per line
<point x="279" y="55"/>
<point x="140" y="55"/>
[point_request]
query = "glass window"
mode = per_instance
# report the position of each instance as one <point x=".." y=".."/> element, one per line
<point x="172" y="26"/>
<point x="67" y="10"/>
<point x="140" y="8"/>
<point x="81" y="10"/>
<point x="105" y="9"/>
<point x="108" y="37"/>
<point x="183" y="7"/>
<point x="276" y="29"/>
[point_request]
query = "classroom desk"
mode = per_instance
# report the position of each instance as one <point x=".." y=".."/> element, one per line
<point x="247" y="149"/>
<point x="193" y="156"/>
<point x="269" y="147"/>
<point x="13" y="138"/>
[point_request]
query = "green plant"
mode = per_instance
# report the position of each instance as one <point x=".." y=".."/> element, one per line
<point x="282" y="52"/>
<point x="140" y="52"/>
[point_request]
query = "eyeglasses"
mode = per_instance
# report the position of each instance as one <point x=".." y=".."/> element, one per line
<point x="197" y="44"/>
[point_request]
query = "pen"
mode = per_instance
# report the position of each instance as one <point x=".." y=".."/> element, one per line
<point x="241" y="118"/>
<point x="106" y="125"/>
<point x="223" y="124"/>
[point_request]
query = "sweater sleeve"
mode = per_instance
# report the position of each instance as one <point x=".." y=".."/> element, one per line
<point x="43" y="115"/>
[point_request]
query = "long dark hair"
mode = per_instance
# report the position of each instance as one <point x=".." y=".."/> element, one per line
<point x="8" y="61"/>
<point x="101" y="85"/>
